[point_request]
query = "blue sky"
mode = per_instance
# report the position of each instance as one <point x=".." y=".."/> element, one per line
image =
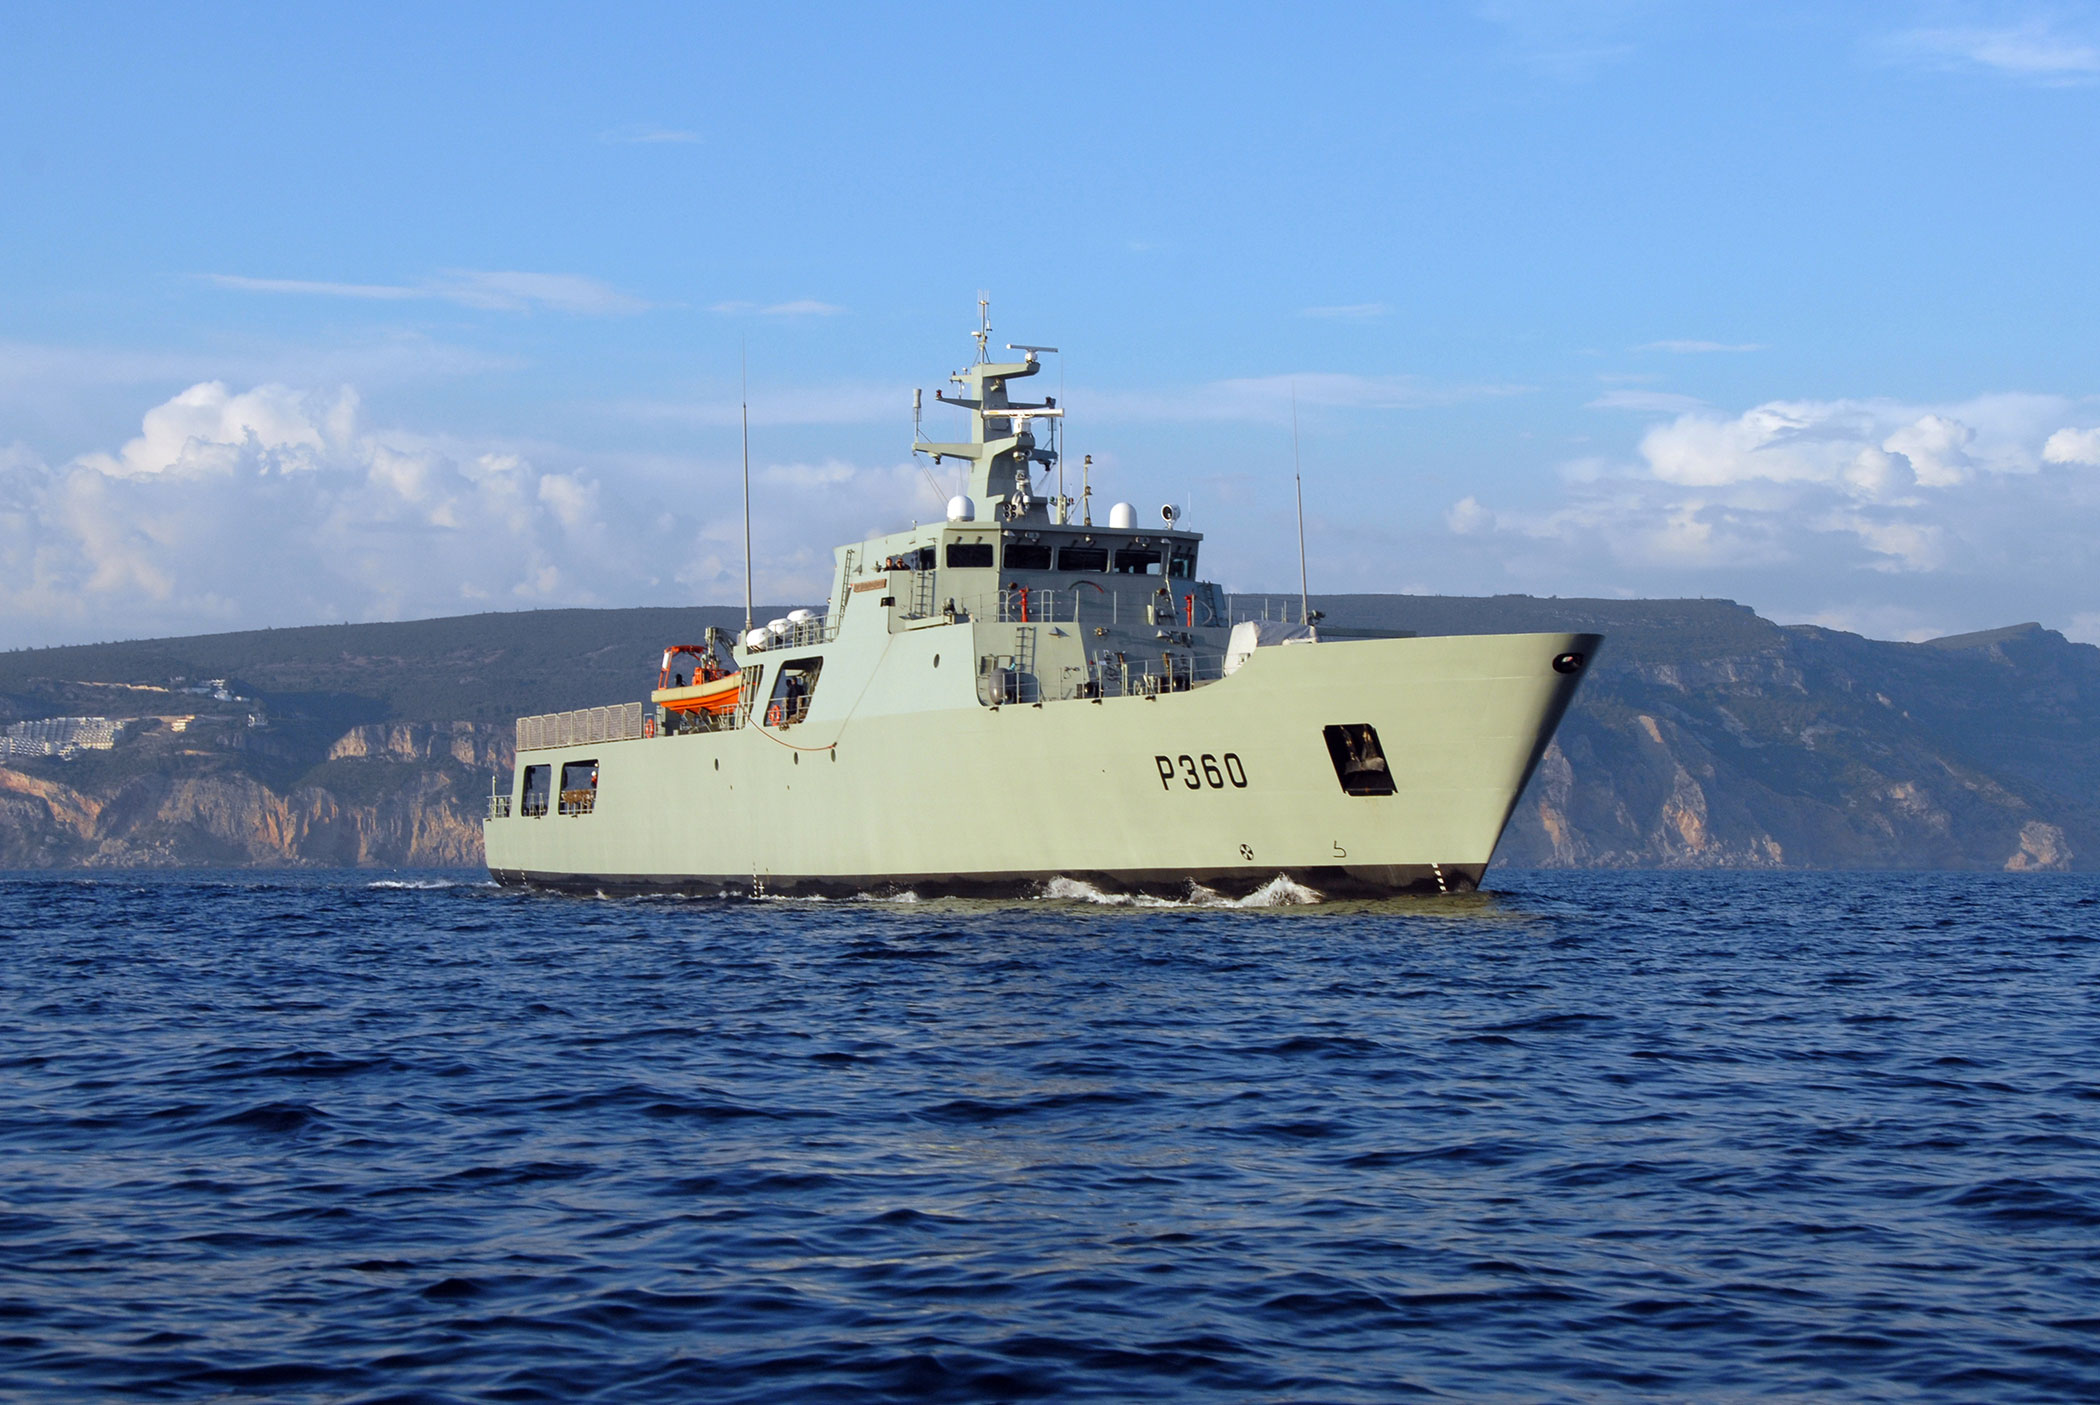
<point x="310" y="313"/>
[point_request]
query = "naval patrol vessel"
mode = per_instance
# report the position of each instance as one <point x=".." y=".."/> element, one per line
<point x="1019" y="694"/>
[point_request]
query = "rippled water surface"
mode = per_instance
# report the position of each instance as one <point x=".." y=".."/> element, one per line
<point x="1598" y="1137"/>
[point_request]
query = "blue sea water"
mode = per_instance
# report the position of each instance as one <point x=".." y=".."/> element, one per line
<point x="1594" y="1137"/>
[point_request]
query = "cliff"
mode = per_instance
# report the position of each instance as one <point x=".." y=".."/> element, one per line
<point x="1704" y="736"/>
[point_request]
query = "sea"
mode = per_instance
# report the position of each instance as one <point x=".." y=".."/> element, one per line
<point x="349" y="1136"/>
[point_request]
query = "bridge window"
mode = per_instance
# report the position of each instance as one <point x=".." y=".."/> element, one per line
<point x="1083" y="558"/>
<point x="1184" y="564"/>
<point x="1027" y="556"/>
<point x="969" y="555"/>
<point x="1137" y="561"/>
<point x="792" y="689"/>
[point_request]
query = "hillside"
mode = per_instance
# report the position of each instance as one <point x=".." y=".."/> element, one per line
<point x="1704" y="736"/>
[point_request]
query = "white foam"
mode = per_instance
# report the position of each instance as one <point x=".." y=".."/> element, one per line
<point x="415" y="884"/>
<point x="1280" y="891"/>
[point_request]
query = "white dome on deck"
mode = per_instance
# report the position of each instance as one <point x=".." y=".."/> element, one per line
<point x="1122" y="515"/>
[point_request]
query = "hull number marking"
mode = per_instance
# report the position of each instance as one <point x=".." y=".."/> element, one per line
<point x="1195" y="773"/>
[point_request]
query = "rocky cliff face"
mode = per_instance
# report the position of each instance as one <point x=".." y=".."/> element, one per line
<point x="1822" y="750"/>
<point x="409" y="795"/>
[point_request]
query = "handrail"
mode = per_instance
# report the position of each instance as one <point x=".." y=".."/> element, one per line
<point x="801" y="634"/>
<point x="584" y="727"/>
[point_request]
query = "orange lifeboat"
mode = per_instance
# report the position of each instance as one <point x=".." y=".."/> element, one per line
<point x="713" y="689"/>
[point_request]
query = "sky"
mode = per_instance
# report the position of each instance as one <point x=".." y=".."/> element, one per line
<point x="317" y="313"/>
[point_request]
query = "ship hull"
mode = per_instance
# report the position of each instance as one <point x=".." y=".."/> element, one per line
<point x="913" y="784"/>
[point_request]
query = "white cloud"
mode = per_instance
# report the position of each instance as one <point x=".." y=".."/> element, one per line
<point x="271" y="505"/>
<point x="1350" y="312"/>
<point x="2036" y="50"/>
<point x="1698" y="348"/>
<point x="1820" y="489"/>
<point x="1468" y="518"/>
<point x="1647" y="401"/>
<point x="2073" y="446"/>
<point x="500" y="291"/>
<point x="800" y="307"/>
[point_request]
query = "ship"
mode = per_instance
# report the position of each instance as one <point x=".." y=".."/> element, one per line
<point x="1016" y="697"/>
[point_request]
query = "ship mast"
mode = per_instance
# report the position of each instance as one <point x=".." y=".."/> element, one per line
<point x="1002" y="449"/>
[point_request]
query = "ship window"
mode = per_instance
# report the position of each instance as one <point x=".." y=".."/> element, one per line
<point x="1359" y="761"/>
<point x="792" y="689"/>
<point x="579" y="787"/>
<point x="1083" y="558"/>
<point x="532" y="799"/>
<point x="969" y="555"/>
<point x="1137" y="561"/>
<point x="1027" y="556"/>
<point x="1184" y="564"/>
<point x="920" y="560"/>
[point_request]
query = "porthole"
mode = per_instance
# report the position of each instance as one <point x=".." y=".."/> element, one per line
<point x="936" y="660"/>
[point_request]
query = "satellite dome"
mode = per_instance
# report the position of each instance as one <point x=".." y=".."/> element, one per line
<point x="961" y="509"/>
<point x="1122" y="515"/>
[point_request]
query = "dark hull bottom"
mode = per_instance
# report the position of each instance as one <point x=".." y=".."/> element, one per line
<point x="1353" y="881"/>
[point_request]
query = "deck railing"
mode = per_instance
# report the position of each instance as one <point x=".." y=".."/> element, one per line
<point x="617" y="723"/>
<point x="801" y="634"/>
<point x="1004" y="680"/>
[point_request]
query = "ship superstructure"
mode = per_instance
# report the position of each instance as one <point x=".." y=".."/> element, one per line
<point x="1017" y="694"/>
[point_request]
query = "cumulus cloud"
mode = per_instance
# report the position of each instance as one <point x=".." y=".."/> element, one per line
<point x="497" y="291"/>
<point x="1794" y="492"/>
<point x="271" y="505"/>
<point x="2073" y="446"/>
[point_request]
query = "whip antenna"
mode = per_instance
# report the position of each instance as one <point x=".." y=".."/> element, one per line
<point x="744" y="354"/>
<point x="1298" y="480"/>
